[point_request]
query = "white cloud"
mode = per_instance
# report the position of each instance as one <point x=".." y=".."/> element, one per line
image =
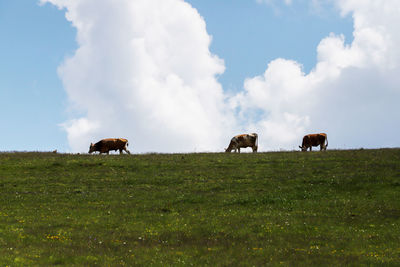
<point x="79" y="131"/>
<point x="143" y="70"/>
<point x="351" y="93"/>
<point x="276" y="104"/>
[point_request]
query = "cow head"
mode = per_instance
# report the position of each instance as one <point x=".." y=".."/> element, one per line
<point x="227" y="150"/>
<point x="303" y="148"/>
<point x="92" y="148"/>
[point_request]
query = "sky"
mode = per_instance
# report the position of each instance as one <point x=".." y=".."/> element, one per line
<point x="186" y="76"/>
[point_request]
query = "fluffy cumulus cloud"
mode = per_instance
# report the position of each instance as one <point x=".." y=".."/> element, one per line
<point x="144" y="71"/>
<point x="351" y="93"/>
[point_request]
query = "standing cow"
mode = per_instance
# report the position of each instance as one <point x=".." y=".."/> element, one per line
<point x="105" y="145"/>
<point x="243" y="140"/>
<point x="311" y="140"/>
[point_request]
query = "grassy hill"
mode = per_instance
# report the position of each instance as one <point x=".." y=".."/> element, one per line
<point x="290" y="208"/>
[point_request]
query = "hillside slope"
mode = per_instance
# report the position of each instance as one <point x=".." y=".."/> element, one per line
<point x="292" y="208"/>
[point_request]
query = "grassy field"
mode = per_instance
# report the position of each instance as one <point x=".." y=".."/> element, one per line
<point x="286" y="208"/>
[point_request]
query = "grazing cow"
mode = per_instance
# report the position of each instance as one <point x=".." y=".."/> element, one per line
<point x="243" y="140"/>
<point x="105" y="145"/>
<point x="311" y="140"/>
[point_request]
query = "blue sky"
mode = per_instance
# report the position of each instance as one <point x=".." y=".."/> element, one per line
<point x="248" y="35"/>
<point x="36" y="100"/>
<point x="35" y="40"/>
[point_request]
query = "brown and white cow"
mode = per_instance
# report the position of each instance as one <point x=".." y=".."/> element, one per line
<point x="311" y="140"/>
<point x="243" y="140"/>
<point x="105" y="145"/>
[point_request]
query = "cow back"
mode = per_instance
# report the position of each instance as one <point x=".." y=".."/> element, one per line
<point x="314" y="139"/>
<point x="108" y="144"/>
<point x="246" y="140"/>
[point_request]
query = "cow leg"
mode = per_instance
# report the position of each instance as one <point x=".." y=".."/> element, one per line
<point x="324" y="147"/>
<point x="310" y="148"/>
<point x="239" y="149"/>
<point x="120" y="151"/>
<point x="254" y="149"/>
<point x="126" y="150"/>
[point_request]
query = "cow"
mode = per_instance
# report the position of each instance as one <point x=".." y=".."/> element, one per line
<point x="311" y="140"/>
<point x="105" y="145"/>
<point x="243" y="140"/>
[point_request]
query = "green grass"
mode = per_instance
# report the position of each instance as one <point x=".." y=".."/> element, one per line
<point x="289" y="208"/>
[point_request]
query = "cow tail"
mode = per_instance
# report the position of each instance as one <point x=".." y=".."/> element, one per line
<point x="326" y="142"/>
